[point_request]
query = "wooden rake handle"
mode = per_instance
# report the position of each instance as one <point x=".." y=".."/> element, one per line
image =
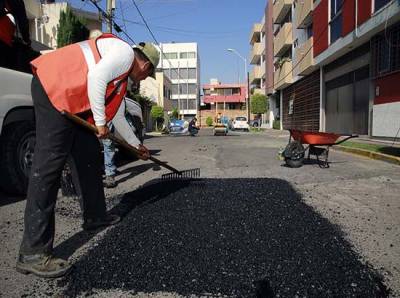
<point x="123" y="143"/>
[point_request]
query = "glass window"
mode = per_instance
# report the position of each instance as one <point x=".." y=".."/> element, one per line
<point x="174" y="89"/>
<point x="336" y="28"/>
<point x="336" y="20"/>
<point x="227" y="92"/>
<point x="192" y="89"/>
<point x="380" y="3"/>
<point x="192" y="73"/>
<point x="183" y="55"/>
<point x="191" y="55"/>
<point x="171" y="55"/>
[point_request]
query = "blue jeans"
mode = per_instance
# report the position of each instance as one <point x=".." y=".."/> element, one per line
<point x="109" y="154"/>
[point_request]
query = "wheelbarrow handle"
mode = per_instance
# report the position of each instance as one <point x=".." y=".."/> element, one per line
<point x="346" y="139"/>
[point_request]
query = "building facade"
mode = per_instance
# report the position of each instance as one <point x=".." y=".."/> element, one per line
<point x="257" y="58"/>
<point x="223" y="100"/>
<point x="180" y="62"/>
<point x="44" y="17"/>
<point x="335" y="64"/>
<point x="158" y="90"/>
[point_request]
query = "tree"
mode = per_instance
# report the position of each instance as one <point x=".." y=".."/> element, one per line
<point x="71" y="28"/>
<point x="157" y="113"/>
<point x="175" y="113"/>
<point x="209" y="121"/>
<point x="259" y="104"/>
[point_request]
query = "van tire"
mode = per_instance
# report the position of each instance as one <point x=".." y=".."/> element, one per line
<point x="16" y="153"/>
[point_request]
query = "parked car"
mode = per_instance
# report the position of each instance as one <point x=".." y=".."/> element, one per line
<point x="255" y="122"/>
<point x="240" y="123"/>
<point x="17" y="133"/>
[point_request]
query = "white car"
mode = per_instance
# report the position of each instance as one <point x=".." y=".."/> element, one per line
<point x="240" y="123"/>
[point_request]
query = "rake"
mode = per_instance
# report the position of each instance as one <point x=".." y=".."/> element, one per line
<point x="175" y="174"/>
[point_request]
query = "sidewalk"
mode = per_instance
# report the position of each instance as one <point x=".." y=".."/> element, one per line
<point x="384" y="150"/>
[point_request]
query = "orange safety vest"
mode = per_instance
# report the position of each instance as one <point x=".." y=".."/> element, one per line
<point x="7" y="28"/>
<point x="63" y="75"/>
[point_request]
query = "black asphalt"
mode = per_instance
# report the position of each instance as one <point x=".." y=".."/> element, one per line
<point x="231" y="237"/>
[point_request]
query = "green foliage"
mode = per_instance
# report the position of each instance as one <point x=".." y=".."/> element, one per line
<point x="276" y="124"/>
<point x="157" y="112"/>
<point x="175" y="113"/>
<point x="209" y="121"/>
<point x="71" y="29"/>
<point x="259" y="104"/>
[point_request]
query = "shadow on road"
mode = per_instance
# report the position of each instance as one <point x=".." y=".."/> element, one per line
<point x="222" y="237"/>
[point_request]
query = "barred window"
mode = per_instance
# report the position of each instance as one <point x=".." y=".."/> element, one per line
<point x="385" y="51"/>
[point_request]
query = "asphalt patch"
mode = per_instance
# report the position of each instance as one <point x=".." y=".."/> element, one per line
<point x="223" y="237"/>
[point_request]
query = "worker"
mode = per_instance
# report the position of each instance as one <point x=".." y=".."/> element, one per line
<point x="126" y="130"/>
<point x="89" y="79"/>
<point x="193" y="128"/>
<point x="12" y="17"/>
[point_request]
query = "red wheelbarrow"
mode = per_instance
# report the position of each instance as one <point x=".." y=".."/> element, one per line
<point x="317" y="143"/>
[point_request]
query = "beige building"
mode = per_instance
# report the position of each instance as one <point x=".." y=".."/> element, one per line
<point x="44" y="18"/>
<point x="257" y="58"/>
<point x="158" y="90"/>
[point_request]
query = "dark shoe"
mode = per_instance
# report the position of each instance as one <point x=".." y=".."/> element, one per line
<point x="109" y="182"/>
<point x="43" y="266"/>
<point x="109" y="220"/>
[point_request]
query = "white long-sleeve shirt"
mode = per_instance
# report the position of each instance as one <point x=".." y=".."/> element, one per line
<point x="123" y="128"/>
<point x="116" y="58"/>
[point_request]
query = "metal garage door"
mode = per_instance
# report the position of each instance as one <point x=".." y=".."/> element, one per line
<point x="347" y="101"/>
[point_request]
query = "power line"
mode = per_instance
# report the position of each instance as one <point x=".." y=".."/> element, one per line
<point x="109" y="18"/>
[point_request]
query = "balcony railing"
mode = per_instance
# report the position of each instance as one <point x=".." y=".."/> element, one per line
<point x="303" y="13"/>
<point x="255" y="74"/>
<point x="283" y="40"/>
<point x="280" y="10"/>
<point x="304" y="59"/>
<point x="255" y="33"/>
<point x="283" y="76"/>
<point x="256" y="53"/>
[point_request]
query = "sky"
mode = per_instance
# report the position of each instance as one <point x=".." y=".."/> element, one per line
<point x="214" y="24"/>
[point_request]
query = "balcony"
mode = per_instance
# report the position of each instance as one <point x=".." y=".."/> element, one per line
<point x="256" y="52"/>
<point x="303" y="13"/>
<point x="280" y="10"/>
<point x="255" y="33"/>
<point x="305" y="56"/>
<point x="259" y="91"/>
<point x="283" y="40"/>
<point x="33" y="9"/>
<point x="283" y="76"/>
<point x="255" y="74"/>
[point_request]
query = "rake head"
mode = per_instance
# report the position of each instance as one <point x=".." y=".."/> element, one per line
<point x="187" y="174"/>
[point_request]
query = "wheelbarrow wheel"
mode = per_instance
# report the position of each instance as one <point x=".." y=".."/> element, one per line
<point x="294" y="154"/>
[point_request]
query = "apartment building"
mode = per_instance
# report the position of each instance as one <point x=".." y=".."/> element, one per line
<point x="335" y="64"/>
<point x="158" y="90"/>
<point x="181" y="63"/>
<point x="228" y="100"/>
<point x="44" y="17"/>
<point x="257" y="58"/>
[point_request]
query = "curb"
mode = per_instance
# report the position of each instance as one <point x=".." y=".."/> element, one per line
<point x="370" y="154"/>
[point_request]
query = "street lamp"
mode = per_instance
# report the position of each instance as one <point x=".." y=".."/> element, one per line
<point x="247" y="79"/>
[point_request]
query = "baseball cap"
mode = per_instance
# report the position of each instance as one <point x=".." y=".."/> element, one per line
<point x="151" y="53"/>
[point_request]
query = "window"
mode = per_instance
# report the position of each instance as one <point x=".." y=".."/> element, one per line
<point x="187" y="55"/>
<point x="380" y="3"/>
<point x="291" y="107"/>
<point x="309" y="32"/>
<point x="336" y="20"/>
<point x="171" y="55"/>
<point x="385" y="51"/>
<point x="227" y="92"/>
<point x="192" y="88"/>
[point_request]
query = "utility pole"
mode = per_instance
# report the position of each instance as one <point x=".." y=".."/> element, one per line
<point x="110" y="14"/>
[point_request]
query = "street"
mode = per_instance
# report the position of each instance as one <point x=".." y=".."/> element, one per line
<point x="250" y="227"/>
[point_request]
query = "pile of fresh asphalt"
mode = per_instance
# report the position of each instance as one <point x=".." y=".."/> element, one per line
<point x="223" y="237"/>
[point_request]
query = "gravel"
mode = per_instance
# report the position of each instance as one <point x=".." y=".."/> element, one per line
<point x="223" y="238"/>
